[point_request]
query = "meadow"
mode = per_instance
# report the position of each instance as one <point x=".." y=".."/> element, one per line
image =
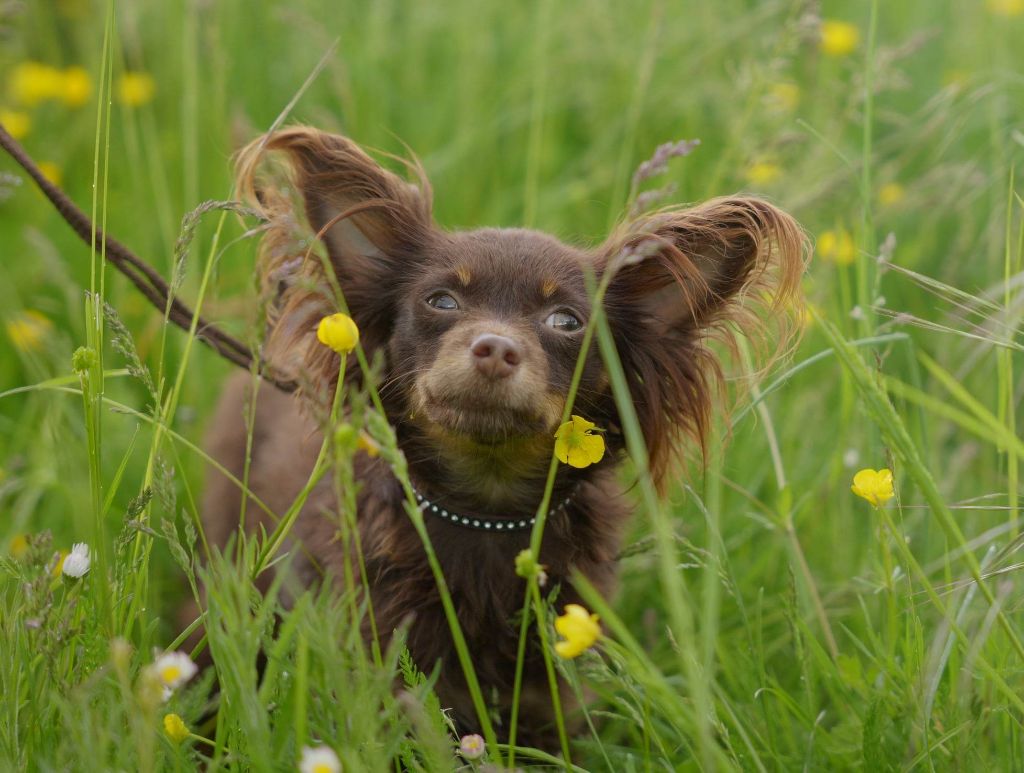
<point x="769" y="618"/>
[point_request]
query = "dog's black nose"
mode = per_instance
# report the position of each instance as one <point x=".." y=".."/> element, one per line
<point x="495" y="356"/>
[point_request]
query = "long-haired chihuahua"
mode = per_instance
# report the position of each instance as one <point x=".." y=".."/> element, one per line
<point x="477" y="334"/>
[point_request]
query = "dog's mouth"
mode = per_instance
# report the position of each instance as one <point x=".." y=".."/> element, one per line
<point x="482" y="420"/>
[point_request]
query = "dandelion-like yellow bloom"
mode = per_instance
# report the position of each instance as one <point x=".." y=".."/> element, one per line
<point x="874" y="485"/>
<point x="891" y="194"/>
<point x="76" y="87"/>
<point x="175" y="728"/>
<point x="28" y="330"/>
<point x="367" y="444"/>
<point x="18" y="124"/>
<point x="763" y="172"/>
<point x="51" y="172"/>
<point x="580" y="630"/>
<point x="839" y="38"/>
<point x="837" y="247"/>
<point x="575" y="446"/>
<point x="62" y="556"/>
<point x="30" y="83"/>
<point x="18" y="545"/>
<point x="338" y="332"/>
<point x="784" y="96"/>
<point x="135" y="88"/>
<point x="1006" y="7"/>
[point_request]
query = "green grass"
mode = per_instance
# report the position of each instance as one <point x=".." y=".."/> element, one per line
<point x="768" y="619"/>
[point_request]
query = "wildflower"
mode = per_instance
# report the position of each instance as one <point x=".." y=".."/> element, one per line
<point x="873" y="485"/>
<point x="574" y="445"/>
<point x="76" y="563"/>
<point x="60" y="555"/>
<point x="175" y="728"/>
<point x="837" y="246"/>
<point x="51" y="172"/>
<point x="783" y="96"/>
<point x="17" y="124"/>
<point x="76" y="87"/>
<point x="762" y="172"/>
<point x="890" y="194"/>
<point x="366" y="443"/>
<point x="319" y="759"/>
<point x="838" y="38"/>
<point x="339" y="332"/>
<point x="174" y="669"/>
<point x="18" y="545"/>
<point x="28" y="330"/>
<point x="135" y="88"/>
<point x="580" y="630"/>
<point x="1006" y="7"/>
<point x="472" y="746"/>
<point x="32" y="82"/>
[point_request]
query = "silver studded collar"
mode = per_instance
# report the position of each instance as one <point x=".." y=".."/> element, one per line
<point x="485" y="524"/>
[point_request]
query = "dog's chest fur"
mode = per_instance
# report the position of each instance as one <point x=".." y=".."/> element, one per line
<point x="479" y="567"/>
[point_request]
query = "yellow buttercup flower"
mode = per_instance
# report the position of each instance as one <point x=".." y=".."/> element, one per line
<point x="837" y="247"/>
<point x="1006" y="7"/>
<point x="364" y="442"/>
<point x="51" y="172"/>
<point x="338" y="332"/>
<point x="175" y="728"/>
<point x="575" y="446"/>
<point x="33" y="82"/>
<point x="763" y="172"/>
<point x="873" y="485"/>
<point x="580" y="630"/>
<point x="784" y="96"/>
<point x="135" y="88"/>
<point x="28" y="330"/>
<point x="19" y="545"/>
<point x="61" y="557"/>
<point x="18" y="124"/>
<point x="77" y="87"/>
<point x="838" y="38"/>
<point x="891" y="194"/>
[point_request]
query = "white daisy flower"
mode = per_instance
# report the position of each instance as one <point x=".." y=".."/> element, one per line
<point x="76" y="563"/>
<point x="319" y="759"/>
<point x="174" y="669"/>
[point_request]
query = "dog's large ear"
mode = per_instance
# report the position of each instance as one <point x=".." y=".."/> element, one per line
<point x="729" y="267"/>
<point x="373" y="224"/>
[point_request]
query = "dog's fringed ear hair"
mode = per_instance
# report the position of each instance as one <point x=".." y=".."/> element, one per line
<point x="729" y="267"/>
<point x="372" y="223"/>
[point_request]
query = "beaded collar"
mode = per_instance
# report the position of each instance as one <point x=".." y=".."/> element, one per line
<point x="485" y="524"/>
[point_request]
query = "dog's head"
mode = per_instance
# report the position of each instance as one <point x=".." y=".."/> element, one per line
<point x="480" y="331"/>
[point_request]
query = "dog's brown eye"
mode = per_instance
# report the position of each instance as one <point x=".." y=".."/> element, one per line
<point x="443" y="301"/>
<point x="563" y="320"/>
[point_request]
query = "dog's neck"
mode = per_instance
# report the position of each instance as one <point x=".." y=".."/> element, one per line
<point x="506" y="478"/>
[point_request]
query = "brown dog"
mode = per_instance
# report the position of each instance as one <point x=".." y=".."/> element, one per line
<point x="479" y="332"/>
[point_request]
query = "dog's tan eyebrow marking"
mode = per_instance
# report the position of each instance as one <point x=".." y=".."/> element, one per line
<point x="464" y="275"/>
<point x="548" y="287"/>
